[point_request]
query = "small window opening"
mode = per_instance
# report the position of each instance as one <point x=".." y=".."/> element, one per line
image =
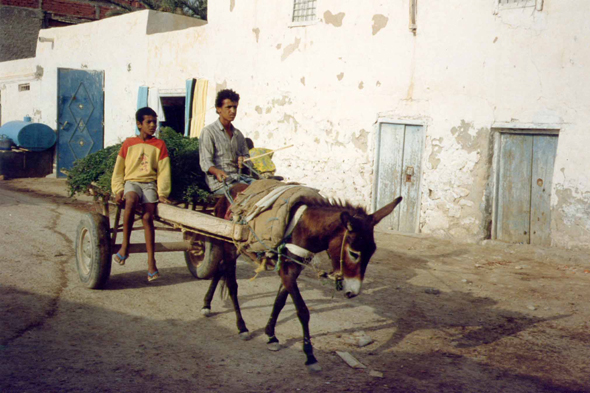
<point x="24" y="87"/>
<point x="304" y="10"/>
<point x="174" y="111"/>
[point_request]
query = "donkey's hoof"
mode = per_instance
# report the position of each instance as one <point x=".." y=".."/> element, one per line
<point x="314" y="368"/>
<point x="206" y="311"/>
<point x="275" y="346"/>
<point x="245" y="336"/>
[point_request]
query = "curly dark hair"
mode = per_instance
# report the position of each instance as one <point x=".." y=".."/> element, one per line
<point x="145" y="111"/>
<point x="226" y="94"/>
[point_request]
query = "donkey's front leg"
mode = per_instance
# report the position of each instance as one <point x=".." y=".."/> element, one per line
<point x="289" y="274"/>
<point x="281" y="299"/>
<point x="232" y="285"/>
<point x="303" y="315"/>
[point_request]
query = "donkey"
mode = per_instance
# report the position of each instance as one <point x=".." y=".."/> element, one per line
<point x="343" y="230"/>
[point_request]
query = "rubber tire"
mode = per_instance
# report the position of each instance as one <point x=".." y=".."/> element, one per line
<point x="93" y="250"/>
<point x="205" y="265"/>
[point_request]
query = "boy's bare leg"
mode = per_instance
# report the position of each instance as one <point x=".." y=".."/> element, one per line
<point x="150" y="238"/>
<point x="131" y="201"/>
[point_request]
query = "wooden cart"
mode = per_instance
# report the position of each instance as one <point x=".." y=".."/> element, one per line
<point x="202" y="240"/>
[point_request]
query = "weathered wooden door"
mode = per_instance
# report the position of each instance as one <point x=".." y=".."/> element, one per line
<point x="80" y="114"/>
<point x="524" y="188"/>
<point x="398" y="172"/>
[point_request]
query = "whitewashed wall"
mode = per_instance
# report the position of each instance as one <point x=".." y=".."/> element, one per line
<point x="323" y="87"/>
<point x="18" y="104"/>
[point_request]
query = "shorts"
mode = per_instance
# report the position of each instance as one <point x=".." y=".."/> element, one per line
<point x="148" y="192"/>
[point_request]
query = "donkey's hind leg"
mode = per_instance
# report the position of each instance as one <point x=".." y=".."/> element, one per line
<point x="232" y="286"/>
<point x="206" y="310"/>
<point x="273" y="341"/>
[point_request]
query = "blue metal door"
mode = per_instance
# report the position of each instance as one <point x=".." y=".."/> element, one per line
<point x="80" y="115"/>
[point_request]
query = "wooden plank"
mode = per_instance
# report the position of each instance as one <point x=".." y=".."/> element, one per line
<point x="410" y="179"/>
<point x="389" y="154"/>
<point x="158" y="247"/>
<point x="202" y="222"/>
<point x="514" y="189"/>
<point x="544" y="151"/>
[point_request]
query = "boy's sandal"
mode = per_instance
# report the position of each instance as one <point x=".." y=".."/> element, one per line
<point x="120" y="259"/>
<point x="153" y="276"/>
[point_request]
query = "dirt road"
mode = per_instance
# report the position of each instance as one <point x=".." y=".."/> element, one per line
<point x="444" y="317"/>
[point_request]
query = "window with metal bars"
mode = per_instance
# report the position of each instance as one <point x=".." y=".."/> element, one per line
<point x="304" y="10"/>
<point x="516" y="3"/>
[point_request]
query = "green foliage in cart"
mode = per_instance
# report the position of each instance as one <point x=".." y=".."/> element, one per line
<point x="92" y="174"/>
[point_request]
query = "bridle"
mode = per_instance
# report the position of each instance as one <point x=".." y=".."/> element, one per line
<point x="339" y="277"/>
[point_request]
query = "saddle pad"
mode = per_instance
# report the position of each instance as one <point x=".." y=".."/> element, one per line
<point x="268" y="218"/>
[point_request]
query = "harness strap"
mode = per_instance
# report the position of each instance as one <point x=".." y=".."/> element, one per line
<point x="294" y="220"/>
<point x="300" y="251"/>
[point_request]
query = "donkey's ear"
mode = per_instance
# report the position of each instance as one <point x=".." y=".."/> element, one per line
<point x="346" y="221"/>
<point x="385" y="211"/>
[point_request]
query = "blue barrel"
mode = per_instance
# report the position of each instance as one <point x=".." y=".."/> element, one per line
<point x="28" y="135"/>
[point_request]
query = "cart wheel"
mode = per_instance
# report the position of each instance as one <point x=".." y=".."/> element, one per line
<point x="93" y="250"/>
<point x="204" y="261"/>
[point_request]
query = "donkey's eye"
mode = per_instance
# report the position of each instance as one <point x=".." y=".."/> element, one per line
<point x="354" y="255"/>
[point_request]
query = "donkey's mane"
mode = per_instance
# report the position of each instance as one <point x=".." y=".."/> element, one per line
<point x="333" y="204"/>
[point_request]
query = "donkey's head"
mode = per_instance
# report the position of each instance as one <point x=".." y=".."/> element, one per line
<point x="352" y="250"/>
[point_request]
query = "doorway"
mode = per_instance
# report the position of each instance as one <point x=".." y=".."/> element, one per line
<point x="174" y="111"/>
<point x="524" y="178"/>
<point x="398" y="172"/>
<point x="80" y="115"/>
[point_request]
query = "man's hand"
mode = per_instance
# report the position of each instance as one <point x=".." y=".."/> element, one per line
<point x="219" y="174"/>
<point x="119" y="198"/>
<point x="165" y="200"/>
<point x="241" y="161"/>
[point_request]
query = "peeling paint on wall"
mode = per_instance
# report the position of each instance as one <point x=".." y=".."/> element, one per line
<point x="290" y="49"/>
<point x="258" y="110"/>
<point x="303" y="81"/>
<point x="361" y="141"/>
<point x="282" y="102"/>
<point x="467" y="141"/>
<point x="288" y="119"/>
<point x="361" y="86"/>
<point x="379" y="22"/>
<point x="436" y="149"/>
<point x="335" y="20"/>
<point x="458" y="201"/>
<point x="340" y="76"/>
<point x="279" y="46"/>
<point x="569" y="218"/>
<point x="221" y="86"/>
<point x="256" y="32"/>
<point x="232" y="4"/>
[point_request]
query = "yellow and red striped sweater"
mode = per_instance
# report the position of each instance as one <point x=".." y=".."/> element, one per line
<point x="143" y="161"/>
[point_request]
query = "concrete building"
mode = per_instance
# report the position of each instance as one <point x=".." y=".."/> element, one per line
<point x="476" y="112"/>
<point x="21" y="20"/>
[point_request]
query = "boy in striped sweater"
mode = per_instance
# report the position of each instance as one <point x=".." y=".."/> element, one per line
<point x="142" y="178"/>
